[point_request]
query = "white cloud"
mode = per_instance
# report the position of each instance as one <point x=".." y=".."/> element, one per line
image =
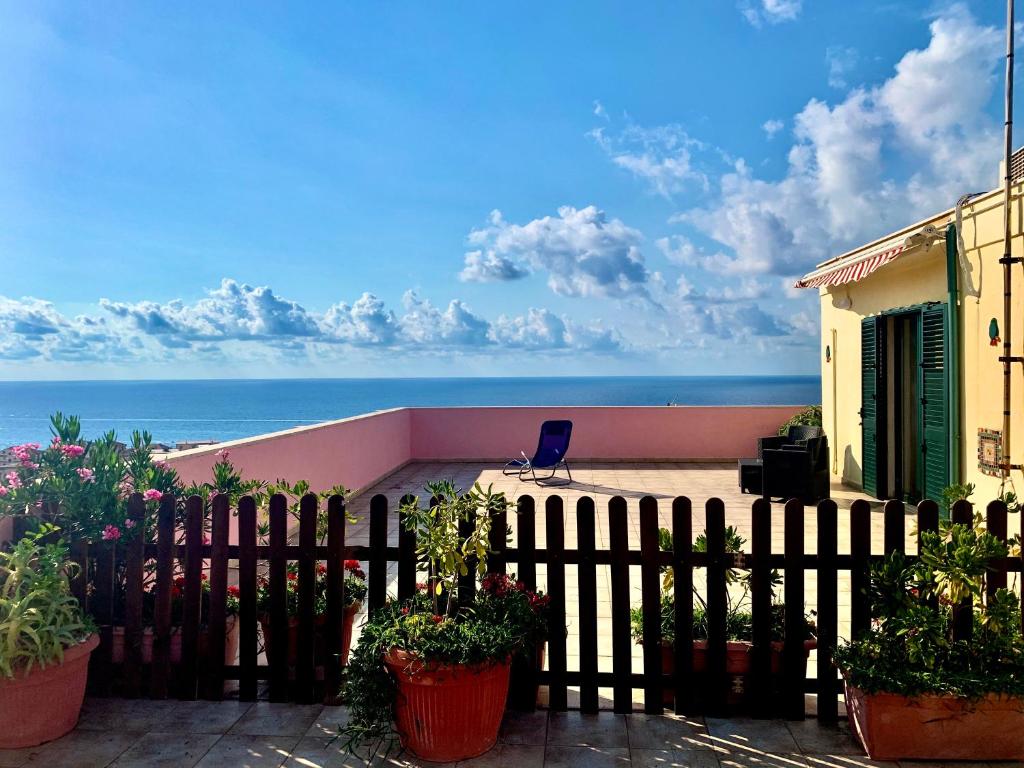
<point x="843" y="186"/>
<point x="583" y="252"/>
<point x="841" y="63"/>
<point x="366" y="322"/>
<point x="662" y="156"/>
<point x="599" y="110"/>
<point x="759" y="12"/>
<point x="423" y="324"/>
<point x="772" y="127"/>
<point x="490" y="267"/>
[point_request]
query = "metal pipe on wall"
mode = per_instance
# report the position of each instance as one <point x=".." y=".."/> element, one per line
<point x="1007" y="260"/>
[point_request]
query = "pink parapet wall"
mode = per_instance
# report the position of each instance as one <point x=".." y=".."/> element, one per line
<point x="672" y="433"/>
<point x="357" y="452"/>
<point x="354" y="452"/>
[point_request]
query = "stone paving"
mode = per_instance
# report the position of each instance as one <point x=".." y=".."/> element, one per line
<point x="148" y="734"/>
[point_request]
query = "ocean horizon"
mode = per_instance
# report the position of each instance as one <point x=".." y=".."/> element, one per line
<point x="228" y="409"/>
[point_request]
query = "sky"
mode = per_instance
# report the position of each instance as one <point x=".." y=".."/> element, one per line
<point x="466" y="189"/>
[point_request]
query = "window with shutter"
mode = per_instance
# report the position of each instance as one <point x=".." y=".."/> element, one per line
<point x="934" y="413"/>
<point x="872" y="412"/>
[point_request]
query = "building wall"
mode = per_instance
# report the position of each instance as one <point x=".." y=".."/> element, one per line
<point x="915" y="278"/>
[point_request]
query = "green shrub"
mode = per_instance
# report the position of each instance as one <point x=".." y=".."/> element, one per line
<point x="808" y="417"/>
<point x="39" y="617"/>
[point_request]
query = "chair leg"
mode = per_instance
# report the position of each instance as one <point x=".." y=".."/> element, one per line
<point x="568" y="471"/>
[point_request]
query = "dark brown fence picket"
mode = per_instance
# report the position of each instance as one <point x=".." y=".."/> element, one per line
<point x="191" y="618"/>
<point x="213" y="670"/>
<point x="378" y="564"/>
<point x="160" y="674"/>
<point x="305" y="664"/>
<point x="793" y="658"/>
<point x="894" y="515"/>
<point x="682" y="586"/>
<point x="995" y="523"/>
<point x="650" y="583"/>
<point x="498" y="540"/>
<point x="131" y="672"/>
<point x="526" y="541"/>
<point x="716" y="685"/>
<point x="277" y="620"/>
<point x="587" y="578"/>
<point x="247" y="588"/>
<point x="860" y="557"/>
<point x="828" y="610"/>
<point x="406" y="553"/>
<point x="761" y="609"/>
<point x="555" y="530"/>
<point x="336" y="596"/>
<point x="622" y="650"/>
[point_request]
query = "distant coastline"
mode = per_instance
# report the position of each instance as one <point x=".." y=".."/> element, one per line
<point x="226" y="409"/>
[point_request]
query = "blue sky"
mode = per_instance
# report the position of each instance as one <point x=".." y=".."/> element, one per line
<point x="354" y="189"/>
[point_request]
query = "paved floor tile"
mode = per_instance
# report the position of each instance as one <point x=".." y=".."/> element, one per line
<point x="575" y="729"/>
<point x="167" y="750"/>
<point x="272" y="719"/>
<point x="852" y="761"/>
<point x="586" y="757"/>
<point x="249" y="752"/>
<point x="83" y="749"/>
<point x="204" y="716"/>
<point x="672" y="758"/>
<point x="815" y="739"/>
<point x="739" y="734"/>
<point x="328" y="722"/>
<point x="508" y="756"/>
<point x="14" y="758"/>
<point x="134" y="715"/>
<point x="666" y="732"/>
<point x="525" y="728"/>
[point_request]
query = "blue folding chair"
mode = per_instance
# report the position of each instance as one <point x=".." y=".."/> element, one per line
<point x="551" y="450"/>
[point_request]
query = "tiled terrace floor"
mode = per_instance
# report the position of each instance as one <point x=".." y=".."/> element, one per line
<point x="146" y="734"/>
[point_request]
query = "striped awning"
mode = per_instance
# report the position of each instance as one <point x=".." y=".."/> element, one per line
<point x="850" y="270"/>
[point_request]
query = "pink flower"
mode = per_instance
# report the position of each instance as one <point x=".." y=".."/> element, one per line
<point x="111" y="533"/>
<point x="223" y="454"/>
<point x="127" y="488"/>
<point x="160" y="464"/>
<point x="3" y="490"/>
<point x="129" y="523"/>
<point x="152" y="495"/>
<point x="56" y="442"/>
<point x="72" y="451"/>
<point x="86" y="475"/>
<point x="13" y="480"/>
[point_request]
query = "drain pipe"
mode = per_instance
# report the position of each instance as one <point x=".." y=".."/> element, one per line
<point x="952" y="257"/>
<point x="1007" y="260"/>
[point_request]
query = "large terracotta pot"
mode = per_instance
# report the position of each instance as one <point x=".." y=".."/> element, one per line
<point x="739" y="661"/>
<point x="319" y="638"/>
<point x="447" y="713"/>
<point x="523" y="684"/>
<point x="44" y="704"/>
<point x="894" y="727"/>
<point x="230" y="643"/>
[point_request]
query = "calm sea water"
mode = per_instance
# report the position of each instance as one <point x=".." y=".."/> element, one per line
<point x="229" y="409"/>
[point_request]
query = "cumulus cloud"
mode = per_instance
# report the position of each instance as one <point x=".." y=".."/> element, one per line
<point x="490" y="267"/>
<point x="366" y="322"/>
<point x="835" y="193"/>
<point x="583" y="252"/>
<point x="661" y="156"/>
<point x="33" y="328"/>
<point x="772" y="127"/>
<point x="841" y="62"/>
<point x="424" y="324"/>
<point x="759" y="12"/>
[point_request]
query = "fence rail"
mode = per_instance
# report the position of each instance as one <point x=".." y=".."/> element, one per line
<point x="119" y="573"/>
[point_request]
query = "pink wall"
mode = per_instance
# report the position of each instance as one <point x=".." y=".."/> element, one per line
<point x="359" y="451"/>
<point x="651" y="433"/>
<point x="354" y="452"/>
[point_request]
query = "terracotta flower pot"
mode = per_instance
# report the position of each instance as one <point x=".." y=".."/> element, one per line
<point x="523" y="683"/>
<point x="319" y="638"/>
<point x="739" y="661"/>
<point x="447" y="713"/>
<point x="44" y="704"/>
<point x="894" y="727"/>
<point x="230" y="643"/>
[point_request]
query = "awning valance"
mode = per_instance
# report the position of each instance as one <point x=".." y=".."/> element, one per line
<point x="851" y="269"/>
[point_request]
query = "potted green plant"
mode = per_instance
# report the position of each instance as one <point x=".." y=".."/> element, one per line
<point x="429" y="670"/>
<point x="915" y="689"/>
<point x="45" y="644"/>
<point x="739" y="622"/>
<point x="355" y="592"/>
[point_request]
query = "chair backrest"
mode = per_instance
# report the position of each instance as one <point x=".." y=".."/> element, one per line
<point x="553" y="443"/>
<point x="797" y="433"/>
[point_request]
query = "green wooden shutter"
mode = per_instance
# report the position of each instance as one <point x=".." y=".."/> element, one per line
<point x="872" y="411"/>
<point x="934" y="413"/>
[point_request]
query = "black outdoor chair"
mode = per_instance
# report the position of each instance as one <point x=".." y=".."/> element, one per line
<point x="797" y="470"/>
<point x="752" y="472"/>
<point x="552" y="447"/>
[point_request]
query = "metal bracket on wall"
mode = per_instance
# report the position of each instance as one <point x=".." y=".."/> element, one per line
<point x="1015" y="359"/>
<point x="1011" y="259"/>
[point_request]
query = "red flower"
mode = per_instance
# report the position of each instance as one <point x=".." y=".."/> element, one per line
<point x="437" y="619"/>
<point x="352" y="565"/>
<point x="422" y="586"/>
<point x="234" y="591"/>
<point x="292" y="576"/>
<point x="405" y="610"/>
<point x="321" y="568"/>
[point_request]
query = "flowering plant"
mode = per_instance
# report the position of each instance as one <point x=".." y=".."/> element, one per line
<point x="355" y="588"/>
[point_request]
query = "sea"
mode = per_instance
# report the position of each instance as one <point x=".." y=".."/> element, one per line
<point x="227" y="409"/>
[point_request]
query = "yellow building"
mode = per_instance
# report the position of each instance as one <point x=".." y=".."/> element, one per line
<point x="911" y="341"/>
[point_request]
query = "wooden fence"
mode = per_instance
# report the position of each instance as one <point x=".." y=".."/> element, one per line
<point x="203" y="675"/>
